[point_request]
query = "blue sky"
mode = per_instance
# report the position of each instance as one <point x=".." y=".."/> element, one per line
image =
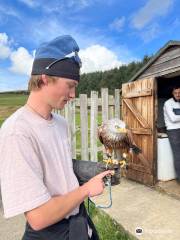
<point x="110" y="32"/>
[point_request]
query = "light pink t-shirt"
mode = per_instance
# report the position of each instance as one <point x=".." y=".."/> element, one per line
<point x="35" y="161"/>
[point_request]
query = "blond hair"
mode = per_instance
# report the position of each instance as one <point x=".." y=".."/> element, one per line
<point x="36" y="82"/>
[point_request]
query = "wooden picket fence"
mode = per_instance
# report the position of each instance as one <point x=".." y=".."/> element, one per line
<point x="107" y="107"/>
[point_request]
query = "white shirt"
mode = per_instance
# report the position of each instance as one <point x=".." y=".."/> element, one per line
<point x="172" y="121"/>
<point x="35" y="161"/>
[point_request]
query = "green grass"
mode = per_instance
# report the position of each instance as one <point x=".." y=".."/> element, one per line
<point x="9" y="103"/>
<point x="12" y="100"/>
<point x="106" y="227"/>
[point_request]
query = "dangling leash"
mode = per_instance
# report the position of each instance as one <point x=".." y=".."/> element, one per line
<point x="108" y="184"/>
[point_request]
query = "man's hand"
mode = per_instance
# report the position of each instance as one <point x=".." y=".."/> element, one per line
<point x="85" y="170"/>
<point x="115" y="178"/>
<point x="95" y="185"/>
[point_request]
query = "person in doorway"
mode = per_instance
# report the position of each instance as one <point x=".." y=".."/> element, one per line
<point x="36" y="173"/>
<point x="172" y="122"/>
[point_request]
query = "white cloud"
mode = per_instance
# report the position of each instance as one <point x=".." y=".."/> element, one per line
<point x="176" y="23"/>
<point x="79" y="3"/>
<point x="150" y="33"/>
<point x="30" y="3"/>
<point x="4" y="46"/>
<point x="66" y="6"/>
<point x="150" y="11"/>
<point x="21" y="61"/>
<point x="56" y="6"/>
<point x="6" y="10"/>
<point x="118" y="24"/>
<point x="98" y="58"/>
<point x="53" y="29"/>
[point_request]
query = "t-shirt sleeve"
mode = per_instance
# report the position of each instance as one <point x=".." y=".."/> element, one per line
<point x="21" y="176"/>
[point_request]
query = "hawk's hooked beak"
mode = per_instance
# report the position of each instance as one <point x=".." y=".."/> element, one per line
<point x="122" y="130"/>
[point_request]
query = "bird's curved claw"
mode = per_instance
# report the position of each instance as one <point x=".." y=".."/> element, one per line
<point x="111" y="161"/>
<point x="107" y="161"/>
<point x="122" y="163"/>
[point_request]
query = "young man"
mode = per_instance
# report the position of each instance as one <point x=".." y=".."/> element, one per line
<point x="36" y="173"/>
<point x="172" y="121"/>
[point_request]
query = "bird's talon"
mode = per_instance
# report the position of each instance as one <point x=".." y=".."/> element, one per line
<point x="108" y="161"/>
<point x="122" y="163"/>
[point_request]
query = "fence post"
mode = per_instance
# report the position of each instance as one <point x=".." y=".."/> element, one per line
<point x="84" y="126"/>
<point x="105" y="100"/>
<point x="70" y="116"/>
<point x="62" y="112"/>
<point x="105" y="110"/>
<point x="117" y="103"/>
<point x="111" y="106"/>
<point x="93" y="125"/>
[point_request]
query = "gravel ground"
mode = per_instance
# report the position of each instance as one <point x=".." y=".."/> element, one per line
<point x="11" y="229"/>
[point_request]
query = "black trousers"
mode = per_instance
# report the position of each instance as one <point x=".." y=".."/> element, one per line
<point x="72" y="228"/>
<point x="174" y="139"/>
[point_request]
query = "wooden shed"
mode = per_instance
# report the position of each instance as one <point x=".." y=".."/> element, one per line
<point x="143" y="98"/>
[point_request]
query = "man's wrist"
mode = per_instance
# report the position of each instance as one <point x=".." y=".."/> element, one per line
<point x="85" y="191"/>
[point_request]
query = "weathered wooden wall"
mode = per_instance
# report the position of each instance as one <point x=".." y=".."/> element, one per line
<point x="167" y="63"/>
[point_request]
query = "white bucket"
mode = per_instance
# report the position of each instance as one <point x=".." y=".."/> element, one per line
<point x="165" y="163"/>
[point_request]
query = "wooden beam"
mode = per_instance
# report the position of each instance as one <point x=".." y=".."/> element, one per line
<point x="136" y="113"/>
<point x="139" y="168"/>
<point x="141" y="131"/>
<point x="99" y="101"/>
<point x="141" y="93"/>
<point x="144" y="177"/>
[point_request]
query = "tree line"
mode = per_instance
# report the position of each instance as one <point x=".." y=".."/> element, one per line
<point x="111" y="79"/>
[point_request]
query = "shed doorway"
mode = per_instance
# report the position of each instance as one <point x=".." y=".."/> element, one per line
<point x="164" y="89"/>
<point x="165" y="166"/>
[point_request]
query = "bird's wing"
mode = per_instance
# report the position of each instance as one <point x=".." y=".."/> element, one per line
<point x="136" y="149"/>
<point x="100" y="130"/>
<point x="132" y="144"/>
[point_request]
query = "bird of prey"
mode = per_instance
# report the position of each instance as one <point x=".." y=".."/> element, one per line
<point x="115" y="136"/>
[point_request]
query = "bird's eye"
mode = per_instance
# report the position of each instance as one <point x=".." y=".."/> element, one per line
<point x="116" y="126"/>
